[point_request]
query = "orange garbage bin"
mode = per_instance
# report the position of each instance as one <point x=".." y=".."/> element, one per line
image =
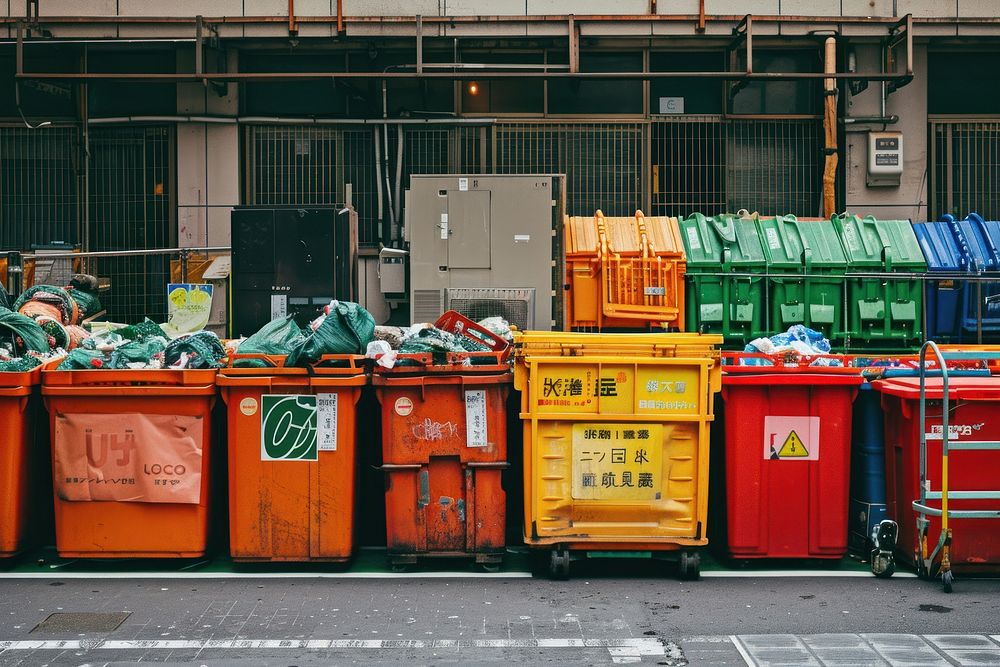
<point x="130" y="461"/>
<point x="16" y="432"/>
<point x="444" y="447"/>
<point x="292" y="450"/>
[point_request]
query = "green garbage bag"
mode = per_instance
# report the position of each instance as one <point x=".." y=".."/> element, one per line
<point x="278" y="337"/>
<point x="60" y="298"/>
<point x="204" y="349"/>
<point x="136" y="352"/>
<point x="19" y="365"/>
<point x="28" y="335"/>
<point x="347" y="329"/>
<point x="142" y="330"/>
<point x="82" y="359"/>
<point x="89" y="304"/>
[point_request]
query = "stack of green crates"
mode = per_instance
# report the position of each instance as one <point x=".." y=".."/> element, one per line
<point x="882" y="313"/>
<point x="724" y="304"/>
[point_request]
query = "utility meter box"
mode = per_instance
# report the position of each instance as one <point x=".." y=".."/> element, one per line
<point x="885" y="158"/>
<point x="487" y="246"/>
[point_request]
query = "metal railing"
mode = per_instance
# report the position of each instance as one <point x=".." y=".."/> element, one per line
<point x="133" y="283"/>
<point x="964" y="167"/>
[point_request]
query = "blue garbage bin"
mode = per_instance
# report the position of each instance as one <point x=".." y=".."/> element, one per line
<point x="867" y="505"/>
<point x="985" y="253"/>
<point x="945" y="250"/>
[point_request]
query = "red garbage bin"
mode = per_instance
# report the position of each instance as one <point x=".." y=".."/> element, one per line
<point x="973" y="401"/>
<point x="788" y="459"/>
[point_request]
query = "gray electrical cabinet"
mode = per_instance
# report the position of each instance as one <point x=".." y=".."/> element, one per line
<point x="487" y="246"/>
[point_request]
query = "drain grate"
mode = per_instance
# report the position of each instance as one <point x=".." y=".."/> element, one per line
<point x="81" y="622"/>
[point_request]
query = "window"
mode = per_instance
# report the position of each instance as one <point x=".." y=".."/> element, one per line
<point x="405" y="97"/>
<point x="597" y="96"/>
<point x="40" y="100"/>
<point x="800" y="97"/>
<point x="699" y="95"/>
<point x="963" y="83"/>
<point x="132" y="98"/>
<point x="503" y="95"/>
<point x="308" y="97"/>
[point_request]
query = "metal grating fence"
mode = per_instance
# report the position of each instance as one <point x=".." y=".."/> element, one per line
<point x="712" y="165"/>
<point x="39" y="196"/>
<point x="964" y="168"/>
<point x="603" y="162"/>
<point x="129" y="204"/>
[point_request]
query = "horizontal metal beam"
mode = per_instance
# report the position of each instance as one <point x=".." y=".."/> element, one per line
<point x="888" y="21"/>
<point x="464" y="75"/>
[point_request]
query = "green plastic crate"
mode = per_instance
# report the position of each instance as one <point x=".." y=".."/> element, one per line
<point x="729" y="305"/>
<point x="813" y="250"/>
<point x="882" y="313"/>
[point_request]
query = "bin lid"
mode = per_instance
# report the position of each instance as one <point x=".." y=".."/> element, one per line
<point x="790" y="243"/>
<point x="959" y="388"/>
<point x="623" y="235"/>
<point x="816" y="379"/>
<point x="706" y="238"/>
<point x="941" y="250"/>
<point x="883" y="244"/>
<point x="973" y="233"/>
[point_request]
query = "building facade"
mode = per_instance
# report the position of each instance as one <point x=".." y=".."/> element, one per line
<point x="133" y="124"/>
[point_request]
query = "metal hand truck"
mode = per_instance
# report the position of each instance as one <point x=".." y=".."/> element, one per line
<point x="925" y="561"/>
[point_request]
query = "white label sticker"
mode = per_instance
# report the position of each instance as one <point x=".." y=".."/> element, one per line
<point x="475" y="418"/>
<point x="671" y="105"/>
<point x="279" y="306"/>
<point x="655" y="291"/>
<point x="693" y="239"/>
<point x="522" y="238"/>
<point x="326" y="422"/>
<point x="791" y="438"/>
<point x="444" y="226"/>
<point x="463" y="184"/>
<point x="772" y="238"/>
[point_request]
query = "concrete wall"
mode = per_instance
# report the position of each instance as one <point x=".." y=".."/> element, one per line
<point x="909" y="199"/>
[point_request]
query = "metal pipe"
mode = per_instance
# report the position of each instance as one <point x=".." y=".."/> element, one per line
<point x="340" y="20"/>
<point x="277" y="120"/>
<point x="293" y="27"/>
<point x="456" y="76"/>
<point x="125" y="253"/>
<point x="399" y="180"/>
<point x="830" y="129"/>
<point x="880" y="120"/>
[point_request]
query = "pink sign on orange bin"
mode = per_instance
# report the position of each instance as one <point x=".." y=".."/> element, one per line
<point x="128" y="458"/>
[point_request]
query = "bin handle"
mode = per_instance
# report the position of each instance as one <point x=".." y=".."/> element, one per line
<point x="487" y="464"/>
<point x="646" y="246"/>
<point x="886" y="243"/>
<point x="975" y="217"/>
<point x="807" y="252"/>
<point x="392" y="467"/>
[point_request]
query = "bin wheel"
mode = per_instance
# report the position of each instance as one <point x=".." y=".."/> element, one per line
<point x="947" y="579"/>
<point x="559" y="564"/>
<point x="492" y="568"/>
<point x="399" y="568"/>
<point x="690" y="566"/>
<point x="883" y="565"/>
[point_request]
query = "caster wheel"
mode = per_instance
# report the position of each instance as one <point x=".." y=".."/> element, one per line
<point x="399" y="568"/>
<point x="690" y="566"/>
<point x="883" y="566"/>
<point x="947" y="580"/>
<point x="559" y="564"/>
<point x="492" y="568"/>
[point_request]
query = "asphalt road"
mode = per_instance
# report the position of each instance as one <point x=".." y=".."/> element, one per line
<point x="588" y="620"/>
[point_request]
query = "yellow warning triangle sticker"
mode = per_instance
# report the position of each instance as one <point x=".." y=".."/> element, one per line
<point x="793" y="447"/>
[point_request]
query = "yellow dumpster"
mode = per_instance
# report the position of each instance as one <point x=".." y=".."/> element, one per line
<point x="616" y="442"/>
<point x="624" y="273"/>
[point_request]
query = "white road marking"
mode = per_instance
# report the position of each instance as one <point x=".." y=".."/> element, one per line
<point x="626" y="649"/>
<point x="170" y="574"/>
<point x="743" y="652"/>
